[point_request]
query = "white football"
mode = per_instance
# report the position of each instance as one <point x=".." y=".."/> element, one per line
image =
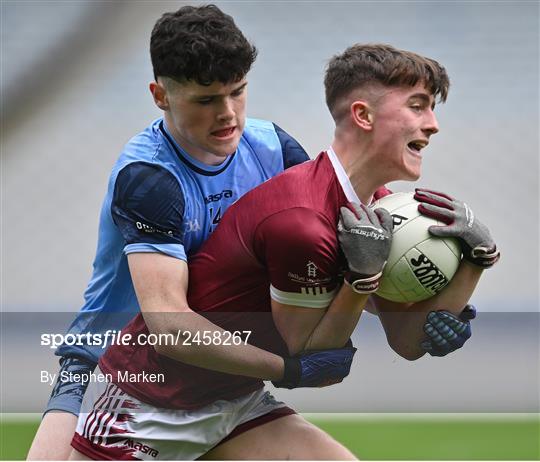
<point x="420" y="265"/>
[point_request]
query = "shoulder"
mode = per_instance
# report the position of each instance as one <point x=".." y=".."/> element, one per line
<point x="144" y="145"/>
<point x="304" y="220"/>
<point x="148" y="204"/>
<point x="140" y="179"/>
<point x="261" y="133"/>
<point x="296" y="232"/>
<point x="258" y="131"/>
<point x="150" y="192"/>
<point x="151" y="146"/>
<point x="293" y="152"/>
<point x="301" y="254"/>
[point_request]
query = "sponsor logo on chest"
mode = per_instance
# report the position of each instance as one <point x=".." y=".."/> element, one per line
<point x="225" y="194"/>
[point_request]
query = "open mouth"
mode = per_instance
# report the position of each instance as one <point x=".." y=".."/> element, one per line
<point x="417" y="146"/>
<point x="224" y="132"/>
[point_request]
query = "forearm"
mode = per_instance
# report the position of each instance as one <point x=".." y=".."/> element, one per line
<point x="243" y="359"/>
<point x="365" y="236"/>
<point x="404" y="328"/>
<point x="161" y="285"/>
<point x="339" y="322"/>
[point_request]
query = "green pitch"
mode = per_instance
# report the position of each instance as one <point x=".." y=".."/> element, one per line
<point x="388" y="439"/>
<point x="438" y="439"/>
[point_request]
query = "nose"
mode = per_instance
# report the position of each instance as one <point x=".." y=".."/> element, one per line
<point x="226" y="110"/>
<point x="431" y="126"/>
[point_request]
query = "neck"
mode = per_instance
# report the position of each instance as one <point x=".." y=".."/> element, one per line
<point x="360" y="168"/>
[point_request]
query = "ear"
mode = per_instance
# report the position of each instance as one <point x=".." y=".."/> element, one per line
<point x="160" y="95"/>
<point x="362" y="115"/>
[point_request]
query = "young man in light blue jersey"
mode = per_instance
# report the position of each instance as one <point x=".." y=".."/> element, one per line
<point x="167" y="192"/>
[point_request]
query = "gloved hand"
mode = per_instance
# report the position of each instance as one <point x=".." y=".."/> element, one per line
<point x="318" y="368"/>
<point x="476" y="243"/>
<point x="365" y="238"/>
<point x="446" y="332"/>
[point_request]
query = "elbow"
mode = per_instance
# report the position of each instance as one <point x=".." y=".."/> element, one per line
<point x="169" y="350"/>
<point x="411" y="355"/>
<point x="161" y="349"/>
<point x="161" y="339"/>
<point x="406" y="350"/>
<point x="167" y="329"/>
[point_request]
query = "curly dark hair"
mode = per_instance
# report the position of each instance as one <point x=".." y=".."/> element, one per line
<point x="201" y="44"/>
<point x="363" y="64"/>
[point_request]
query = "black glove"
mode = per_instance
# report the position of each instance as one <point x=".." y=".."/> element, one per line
<point x="318" y="368"/>
<point x="476" y="243"/>
<point x="446" y="332"/>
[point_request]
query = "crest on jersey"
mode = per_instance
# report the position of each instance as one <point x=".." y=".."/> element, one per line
<point x="311" y="269"/>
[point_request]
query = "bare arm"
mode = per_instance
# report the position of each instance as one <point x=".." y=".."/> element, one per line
<point x="403" y="323"/>
<point x="161" y="285"/>
<point x="316" y="328"/>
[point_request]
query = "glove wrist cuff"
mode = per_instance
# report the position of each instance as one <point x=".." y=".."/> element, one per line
<point x="292" y="373"/>
<point x="362" y="284"/>
<point x="482" y="256"/>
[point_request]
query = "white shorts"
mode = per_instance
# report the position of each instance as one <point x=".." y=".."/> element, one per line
<point x="113" y="425"/>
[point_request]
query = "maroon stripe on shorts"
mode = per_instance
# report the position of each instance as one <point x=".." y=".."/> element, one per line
<point x="101" y="436"/>
<point x="93" y="451"/>
<point x="91" y="417"/>
<point x="97" y="415"/>
<point x="106" y="415"/>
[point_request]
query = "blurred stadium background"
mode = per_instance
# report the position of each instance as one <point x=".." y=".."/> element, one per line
<point x="74" y="81"/>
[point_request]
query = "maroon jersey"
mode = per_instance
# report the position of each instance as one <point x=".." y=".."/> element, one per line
<point x="278" y="241"/>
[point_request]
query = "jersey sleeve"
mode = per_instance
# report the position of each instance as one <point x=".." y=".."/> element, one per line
<point x="148" y="207"/>
<point x="300" y="250"/>
<point x="293" y="152"/>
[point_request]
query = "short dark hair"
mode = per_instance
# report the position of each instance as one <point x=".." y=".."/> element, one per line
<point x="201" y="44"/>
<point x="363" y="64"/>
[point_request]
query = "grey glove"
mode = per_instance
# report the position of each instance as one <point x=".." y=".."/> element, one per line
<point x="477" y="244"/>
<point x="365" y="238"/>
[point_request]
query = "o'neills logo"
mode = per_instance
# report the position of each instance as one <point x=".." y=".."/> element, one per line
<point x="428" y="274"/>
<point x="141" y="447"/>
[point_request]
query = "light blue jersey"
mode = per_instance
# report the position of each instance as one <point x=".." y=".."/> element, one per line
<point x="159" y="199"/>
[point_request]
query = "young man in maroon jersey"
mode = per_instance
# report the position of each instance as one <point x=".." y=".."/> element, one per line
<point x="273" y="270"/>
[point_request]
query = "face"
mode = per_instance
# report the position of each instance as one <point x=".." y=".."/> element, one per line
<point x="207" y="121"/>
<point x="403" y="122"/>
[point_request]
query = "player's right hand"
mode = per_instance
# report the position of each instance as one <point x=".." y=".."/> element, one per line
<point x="447" y="332"/>
<point x="365" y="238"/>
<point x="477" y="244"/>
<point x="318" y="368"/>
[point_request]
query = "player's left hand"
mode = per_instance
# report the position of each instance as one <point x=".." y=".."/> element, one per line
<point x="446" y="332"/>
<point x="476" y="242"/>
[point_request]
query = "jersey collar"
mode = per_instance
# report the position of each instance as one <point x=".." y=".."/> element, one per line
<point x="342" y="177"/>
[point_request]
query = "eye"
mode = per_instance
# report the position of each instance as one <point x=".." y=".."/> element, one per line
<point x="238" y="92"/>
<point x="205" y="101"/>
<point x="416" y="107"/>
